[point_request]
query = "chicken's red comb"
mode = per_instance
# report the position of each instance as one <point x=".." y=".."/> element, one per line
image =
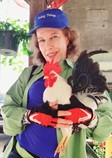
<point x="50" y="66"/>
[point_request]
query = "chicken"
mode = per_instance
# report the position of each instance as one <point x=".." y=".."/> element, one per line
<point x="86" y="83"/>
<point x="57" y="90"/>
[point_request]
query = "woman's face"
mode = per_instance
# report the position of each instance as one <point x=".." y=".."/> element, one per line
<point x="52" y="43"/>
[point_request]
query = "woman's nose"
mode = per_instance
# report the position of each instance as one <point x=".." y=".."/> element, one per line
<point x="49" y="44"/>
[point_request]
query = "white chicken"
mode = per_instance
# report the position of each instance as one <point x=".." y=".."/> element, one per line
<point x="59" y="92"/>
<point x="86" y="84"/>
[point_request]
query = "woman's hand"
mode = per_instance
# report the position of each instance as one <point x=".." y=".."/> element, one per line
<point x="62" y="122"/>
<point x="49" y="117"/>
<point x="80" y="113"/>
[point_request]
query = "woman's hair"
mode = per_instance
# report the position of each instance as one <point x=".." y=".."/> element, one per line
<point x="72" y="48"/>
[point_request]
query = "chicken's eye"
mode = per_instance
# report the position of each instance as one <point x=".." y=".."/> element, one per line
<point x="52" y="75"/>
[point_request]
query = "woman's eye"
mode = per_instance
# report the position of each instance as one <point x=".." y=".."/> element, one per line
<point x="40" y="41"/>
<point x="53" y="37"/>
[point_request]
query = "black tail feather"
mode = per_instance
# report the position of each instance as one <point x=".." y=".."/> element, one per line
<point x="87" y="74"/>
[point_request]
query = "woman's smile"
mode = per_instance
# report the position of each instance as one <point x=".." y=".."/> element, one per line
<point x="52" y="55"/>
<point x="52" y="43"/>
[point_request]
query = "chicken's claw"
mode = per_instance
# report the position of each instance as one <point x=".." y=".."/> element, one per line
<point x="62" y="145"/>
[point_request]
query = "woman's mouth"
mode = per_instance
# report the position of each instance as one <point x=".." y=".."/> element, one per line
<point x="52" y="55"/>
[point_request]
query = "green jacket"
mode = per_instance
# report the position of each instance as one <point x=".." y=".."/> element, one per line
<point x="15" y="107"/>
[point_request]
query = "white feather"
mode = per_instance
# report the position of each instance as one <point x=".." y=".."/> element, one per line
<point x="59" y="92"/>
<point x="87" y="101"/>
<point x="67" y="131"/>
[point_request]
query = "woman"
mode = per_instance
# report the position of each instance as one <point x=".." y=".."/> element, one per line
<point x="52" y="40"/>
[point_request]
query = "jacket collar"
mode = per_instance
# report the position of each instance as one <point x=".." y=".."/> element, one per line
<point x="38" y="69"/>
<point x="62" y="63"/>
<point x="68" y="62"/>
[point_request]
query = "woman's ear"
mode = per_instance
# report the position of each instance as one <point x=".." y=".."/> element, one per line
<point x="67" y="41"/>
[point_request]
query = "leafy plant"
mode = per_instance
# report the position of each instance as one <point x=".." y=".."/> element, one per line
<point x="16" y="63"/>
<point x="19" y="30"/>
<point x="99" y="148"/>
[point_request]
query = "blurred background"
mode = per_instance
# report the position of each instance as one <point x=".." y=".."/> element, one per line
<point x="91" y="18"/>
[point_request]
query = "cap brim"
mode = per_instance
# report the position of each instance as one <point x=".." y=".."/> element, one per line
<point x="54" y="26"/>
<point x="32" y="31"/>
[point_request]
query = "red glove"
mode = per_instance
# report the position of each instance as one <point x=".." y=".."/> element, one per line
<point x="80" y="114"/>
<point x="44" y="115"/>
<point x="43" y="119"/>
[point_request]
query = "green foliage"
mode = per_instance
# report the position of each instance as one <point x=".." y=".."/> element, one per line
<point x="99" y="148"/>
<point x="19" y="30"/>
<point x="17" y="63"/>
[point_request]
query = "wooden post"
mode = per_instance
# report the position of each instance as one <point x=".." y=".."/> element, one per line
<point x="35" y="7"/>
<point x="108" y="153"/>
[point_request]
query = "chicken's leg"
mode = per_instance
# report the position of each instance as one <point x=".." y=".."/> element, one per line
<point x="62" y="145"/>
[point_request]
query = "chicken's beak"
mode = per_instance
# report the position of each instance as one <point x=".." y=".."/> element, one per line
<point x="46" y="77"/>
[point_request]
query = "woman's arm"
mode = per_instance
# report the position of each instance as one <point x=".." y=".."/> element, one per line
<point x="12" y="110"/>
<point x="103" y="128"/>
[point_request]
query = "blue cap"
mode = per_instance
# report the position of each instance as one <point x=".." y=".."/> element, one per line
<point x="50" y="18"/>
